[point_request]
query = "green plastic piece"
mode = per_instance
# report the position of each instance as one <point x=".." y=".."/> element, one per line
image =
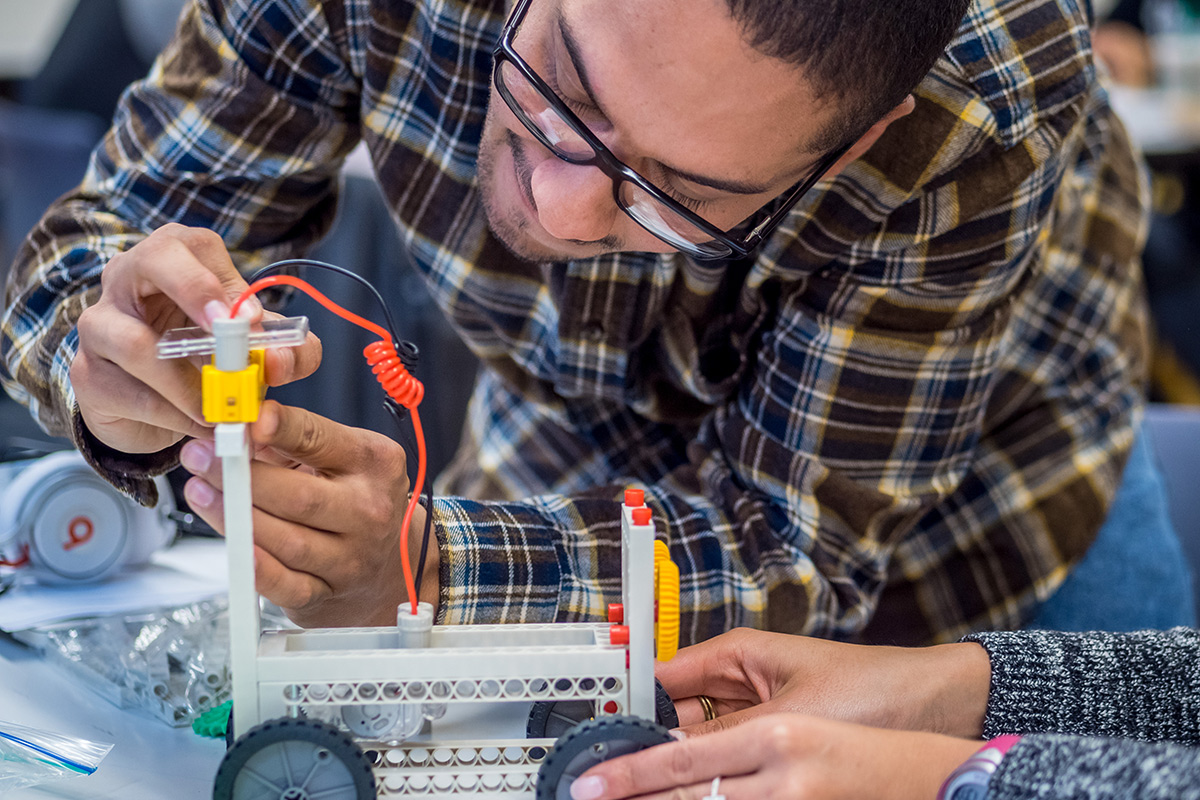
<point x="214" y="722"/>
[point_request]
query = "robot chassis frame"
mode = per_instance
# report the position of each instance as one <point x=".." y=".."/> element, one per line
<point x="421" y="710"/>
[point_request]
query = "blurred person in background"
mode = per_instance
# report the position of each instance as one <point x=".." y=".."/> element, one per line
<point x="1124" y="43"/>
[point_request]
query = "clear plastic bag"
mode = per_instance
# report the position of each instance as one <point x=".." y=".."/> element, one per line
<point x="170" y="663"/>
<point x="29" y="756"/>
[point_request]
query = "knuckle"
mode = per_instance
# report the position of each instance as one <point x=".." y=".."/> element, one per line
<point x="140" y="340"/>
<point x="171" y="230"/>
<point x="141" y="399"/>
<point x="294" y="551"/>
<point x="309" y="506"/>
<point x="740" y="635"/>
<point x="784" y="734"/>
<point x="386" y="457"/>
<point x="681" y="764"/>
<point x="275" y="585"/>
<point x="110" y="273"/>
<point x="164" y="240"/>
<point x="80" y="371"/>
<point x="308" y="434"/>
<point x="378" y="510"/>
<point x="304" y="596"/>
<point x="201" y="237"/>
<point x="88" y="322"/>
<point x="793" y="784"/>
<point x="620" y="777"/>
<point x="266" y="580"/>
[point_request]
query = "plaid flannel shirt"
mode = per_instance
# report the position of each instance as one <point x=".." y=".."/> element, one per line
<point x="901" y="421"/>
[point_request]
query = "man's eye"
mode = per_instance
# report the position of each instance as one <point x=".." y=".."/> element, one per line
<point x="690" y="203"/>
<point x="579" y="108"/>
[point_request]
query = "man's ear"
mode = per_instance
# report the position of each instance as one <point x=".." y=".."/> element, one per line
<point x="868" y="139"/>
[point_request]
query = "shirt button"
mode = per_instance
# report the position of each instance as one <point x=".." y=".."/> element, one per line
<point x="593" y="332"/>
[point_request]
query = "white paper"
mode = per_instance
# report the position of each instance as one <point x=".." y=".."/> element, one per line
<point x="190" y="571"/>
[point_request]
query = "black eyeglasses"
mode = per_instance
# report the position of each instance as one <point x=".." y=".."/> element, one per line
<point x="558" y="128"/>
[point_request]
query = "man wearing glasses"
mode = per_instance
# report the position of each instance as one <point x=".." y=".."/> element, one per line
<point x="850" y="289"/>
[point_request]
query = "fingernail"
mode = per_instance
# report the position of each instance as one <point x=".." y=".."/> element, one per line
<point x="678" y="734"/>
<point x="587" y="788"/>
<point x="196" y="457"/>
<point x="198" y="493"/>
<point x="250" y="308"/>
<point x="214" y="309"/>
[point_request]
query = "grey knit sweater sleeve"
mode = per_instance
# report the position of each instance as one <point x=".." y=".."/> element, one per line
<point x="1129" y="704"/>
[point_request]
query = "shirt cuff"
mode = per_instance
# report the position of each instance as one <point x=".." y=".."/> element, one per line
<point x="500" y="563"/>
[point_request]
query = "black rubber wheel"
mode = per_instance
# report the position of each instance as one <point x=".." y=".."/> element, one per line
<point x="294" y="759"/>
<point x="550" y="719"/>
<point x="229" y="737"/>
<point x="590" y="743"/>
<point x="664" y="707"/>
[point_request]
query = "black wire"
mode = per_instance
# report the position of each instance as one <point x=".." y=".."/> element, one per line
<point x="279" y="266"/>
<point x="408" y="354"/>
<point x="395" y="410"/>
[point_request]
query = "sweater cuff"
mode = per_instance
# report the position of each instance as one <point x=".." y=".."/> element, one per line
<point x="1138" y="685"/>
<point x="1051" y="766"/>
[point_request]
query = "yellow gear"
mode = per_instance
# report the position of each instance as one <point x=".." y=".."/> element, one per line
<point x="666" y="595"/>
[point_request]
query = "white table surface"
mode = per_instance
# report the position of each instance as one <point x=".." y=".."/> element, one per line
<point x="149" y="759"/>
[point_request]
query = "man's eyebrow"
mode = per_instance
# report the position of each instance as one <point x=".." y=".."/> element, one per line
<point x="720" y="184"/>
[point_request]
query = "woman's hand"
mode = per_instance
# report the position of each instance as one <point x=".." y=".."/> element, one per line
<point x="782" y="756"/>
<point x="748" y="674"/>
<point x="328" y="505"/>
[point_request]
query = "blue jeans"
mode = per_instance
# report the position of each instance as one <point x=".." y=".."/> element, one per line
<point x="1135" y="575"/>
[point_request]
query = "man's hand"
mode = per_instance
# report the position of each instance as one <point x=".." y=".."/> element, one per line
<point x="784" y="755"/>
<point x="177" y="277"/>
<point x="748" y="674"/>
<point x="328" y="505"/>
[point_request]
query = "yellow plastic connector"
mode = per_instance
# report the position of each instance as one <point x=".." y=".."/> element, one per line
<point x="234" y="396"/>
<point x="666" y="595"/>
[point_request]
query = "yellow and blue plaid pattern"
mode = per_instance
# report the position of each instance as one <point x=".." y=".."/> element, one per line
<point x="900" y="422"/>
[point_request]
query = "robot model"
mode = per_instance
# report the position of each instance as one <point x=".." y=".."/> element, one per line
<point x="421" y="710"/>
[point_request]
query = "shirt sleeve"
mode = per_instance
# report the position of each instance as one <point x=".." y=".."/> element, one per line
<point x="1053" y="766"/>
<point x="1143" y="685"/>
<point x="240" y="128"/>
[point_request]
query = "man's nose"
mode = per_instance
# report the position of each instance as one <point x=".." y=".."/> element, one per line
<point x="573" y="201"/>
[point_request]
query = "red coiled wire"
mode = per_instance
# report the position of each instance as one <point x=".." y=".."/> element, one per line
<point x="396" y="380"/>
<point x="393" y="375"/>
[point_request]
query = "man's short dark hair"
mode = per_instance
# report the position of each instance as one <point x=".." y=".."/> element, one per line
<point x="865" y="54"/>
